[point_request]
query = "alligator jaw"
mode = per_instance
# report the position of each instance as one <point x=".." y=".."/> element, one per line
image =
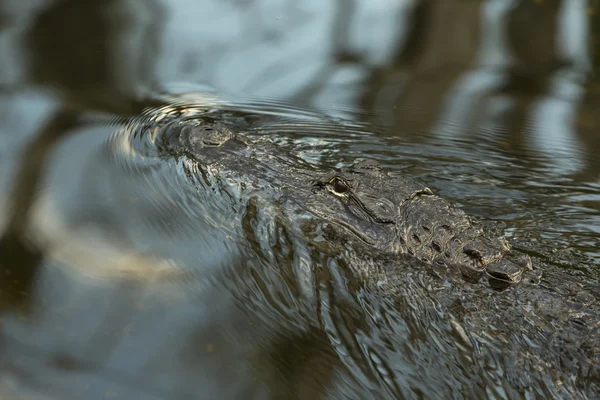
<point x="345" y="226"/>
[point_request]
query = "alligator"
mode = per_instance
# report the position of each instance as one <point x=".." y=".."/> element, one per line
<point x="360" y="206"/>
<point x="448" y="280"/>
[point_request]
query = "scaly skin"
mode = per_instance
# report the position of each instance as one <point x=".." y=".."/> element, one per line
<point x="422" y="225"/>
<point x="362" y="205"/>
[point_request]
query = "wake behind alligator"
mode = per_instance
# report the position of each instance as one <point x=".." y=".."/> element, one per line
<point x="385" y="227"/>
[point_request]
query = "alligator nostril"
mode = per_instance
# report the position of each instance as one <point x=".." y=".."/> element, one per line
<point x="525" y="262"/>
<point x="213" y="136"/>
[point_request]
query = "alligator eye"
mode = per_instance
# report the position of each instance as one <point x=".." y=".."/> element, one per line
<point x="339" y="186"/>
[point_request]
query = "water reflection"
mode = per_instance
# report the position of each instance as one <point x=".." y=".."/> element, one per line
<point x="72" y="48"/>
<point x="100" y="54"/>
<point x="118" y="279"/>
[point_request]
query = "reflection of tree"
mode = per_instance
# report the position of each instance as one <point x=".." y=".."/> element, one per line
<point x="19" y="259"/>
<point x="83" y="49"/>
<point x="531" y="28"/>
<point x="588" y="118"/>
<point x="342" y="53"/>
<point x="533" y="32"/>
<point x="440" y="46"/>
<point x="74" y="48"/>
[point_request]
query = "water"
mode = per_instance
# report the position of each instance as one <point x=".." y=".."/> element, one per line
<point x="122" y="277"/>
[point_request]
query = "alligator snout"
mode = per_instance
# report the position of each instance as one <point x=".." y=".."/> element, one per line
<point x="508" y="270"/>
<point x="213" y="135"/>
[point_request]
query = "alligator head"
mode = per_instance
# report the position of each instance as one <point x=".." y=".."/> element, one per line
<point x="203" y="141"/>
<point x="395" y="215"/>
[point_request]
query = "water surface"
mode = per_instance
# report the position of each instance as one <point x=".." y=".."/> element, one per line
<point x="121" y="278"/>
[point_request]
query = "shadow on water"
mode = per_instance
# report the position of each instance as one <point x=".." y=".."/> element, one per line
<point x="130" y="274"/>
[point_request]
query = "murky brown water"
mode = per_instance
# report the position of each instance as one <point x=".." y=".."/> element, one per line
<point x="120" y="279"/>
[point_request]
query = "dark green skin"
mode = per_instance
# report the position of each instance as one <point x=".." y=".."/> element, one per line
<point x="361" y="206"/>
